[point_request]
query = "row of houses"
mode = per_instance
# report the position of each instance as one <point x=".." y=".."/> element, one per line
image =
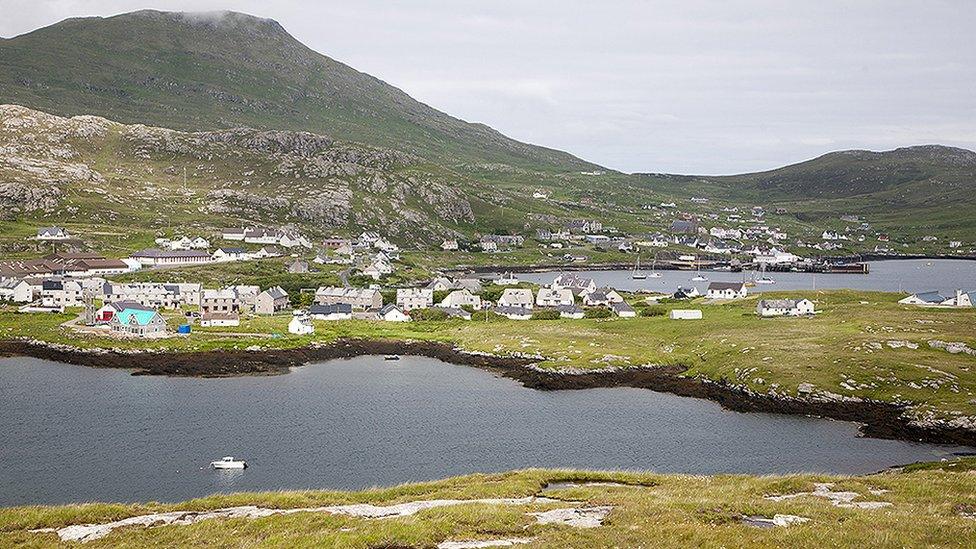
<point x="258" y="235"/>
<point x="74" y="264"/>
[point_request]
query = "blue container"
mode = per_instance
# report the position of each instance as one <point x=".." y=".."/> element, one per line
<point x="183" y="329"/>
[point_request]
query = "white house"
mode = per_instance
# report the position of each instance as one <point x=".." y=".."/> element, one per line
<point x="53" y="233"/>
<point x="601" y="297"/>
<point x="931" y="298"/>
<point x="685" y="314"/>
<point x="963" y="299"/>
<point x="377" y="269"/>
<point x="392" y="313"/>
<point x="570" y="311"/>
<point x="229" y="254"/>
<point x="181" y="243"/>
<point x="726" y="290"/>
<point x="516" y="297"/>
<point x="409" y="299"/>
<point x="233" y="233"/>
<point x="62" y="293"/>
<point x="301" y="324"/>
<point x="784" y="307"/>
<point x="623" y="310"/>
<point x="574" y="282"/>
<point x="18" y="291"/>
<point x="449" y="245"/>
<point x="461" y="298"/>
<point x="551" y="297"/>
<point x="440" y="284"/>
<point x="139" y="323"/>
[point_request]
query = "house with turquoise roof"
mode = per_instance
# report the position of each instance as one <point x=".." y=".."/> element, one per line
<point x="138" y="323"/>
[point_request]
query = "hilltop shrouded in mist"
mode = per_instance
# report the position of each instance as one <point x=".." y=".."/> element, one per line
<point x="198" y="71"/>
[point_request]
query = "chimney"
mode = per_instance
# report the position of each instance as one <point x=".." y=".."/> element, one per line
<point x="958" y="301"/>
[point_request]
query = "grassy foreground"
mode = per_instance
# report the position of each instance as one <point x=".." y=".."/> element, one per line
<point x="928" y="508"/>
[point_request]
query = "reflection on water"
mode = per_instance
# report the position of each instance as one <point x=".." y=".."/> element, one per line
<point x="77" y="434"/>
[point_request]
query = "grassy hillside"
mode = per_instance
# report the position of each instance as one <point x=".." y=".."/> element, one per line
<point x="930" y="188"/>
<point x="119" y="186"/>
<point x="921" y="506"/>
<point x="224" y="69"/>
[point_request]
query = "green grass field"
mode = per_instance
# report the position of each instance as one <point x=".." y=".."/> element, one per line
<point x="855" y="346"/>
<point x="926" y="507"/>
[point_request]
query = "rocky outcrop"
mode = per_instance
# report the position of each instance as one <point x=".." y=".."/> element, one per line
<point x="17" y="198"/>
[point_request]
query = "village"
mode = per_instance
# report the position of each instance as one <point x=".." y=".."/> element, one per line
<point x="83" y="280"/>
<point x="148" y="309"/>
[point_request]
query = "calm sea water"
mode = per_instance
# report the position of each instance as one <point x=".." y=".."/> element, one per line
<point x="73" y="434"/>
<point x="909" y="276"/>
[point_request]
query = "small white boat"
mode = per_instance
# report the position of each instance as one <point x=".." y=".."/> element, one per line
<point x="699" y="277"/>
<point x="655" y="275"/>
<point x="638" y="274"/>
<point x="391" y="357"/>
<point x="763" y="279"/>
<point x="229" y="462"/>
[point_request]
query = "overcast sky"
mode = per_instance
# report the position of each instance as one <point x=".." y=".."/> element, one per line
<point x="680" y="87"/>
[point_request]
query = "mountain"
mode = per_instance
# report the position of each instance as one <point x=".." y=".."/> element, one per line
<point x="122" y="185"/>
<point x="207" y="71"/>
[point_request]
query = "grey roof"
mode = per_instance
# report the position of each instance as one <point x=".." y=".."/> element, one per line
<point x="337" y="308"/>
<point x="231" y="250"/>
<point x="726" y="286"/>
<point x="52" y="285"/>
<point x="276" y="292"/>
<point x="569" y="309"/>
<point x="931" y="297"/>
<point x="621" y="307"/>
<point x="49" y="230"/>
<point x="129" y="304"/>
<point x="388" y="307"/>
<point x="683" y="226"/>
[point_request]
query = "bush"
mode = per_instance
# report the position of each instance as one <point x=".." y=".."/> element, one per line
<point x="597" y="312"/>
<point x="654" y="310"/>
<point x="480" y="315"/>
<point x="428" y="314"/>
<point x="546" y="314"/>
<point x="441" y="295"/>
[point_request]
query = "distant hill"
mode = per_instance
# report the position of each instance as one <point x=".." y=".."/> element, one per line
<point x="202" y="71"/>
<point x="915" y="174"/>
